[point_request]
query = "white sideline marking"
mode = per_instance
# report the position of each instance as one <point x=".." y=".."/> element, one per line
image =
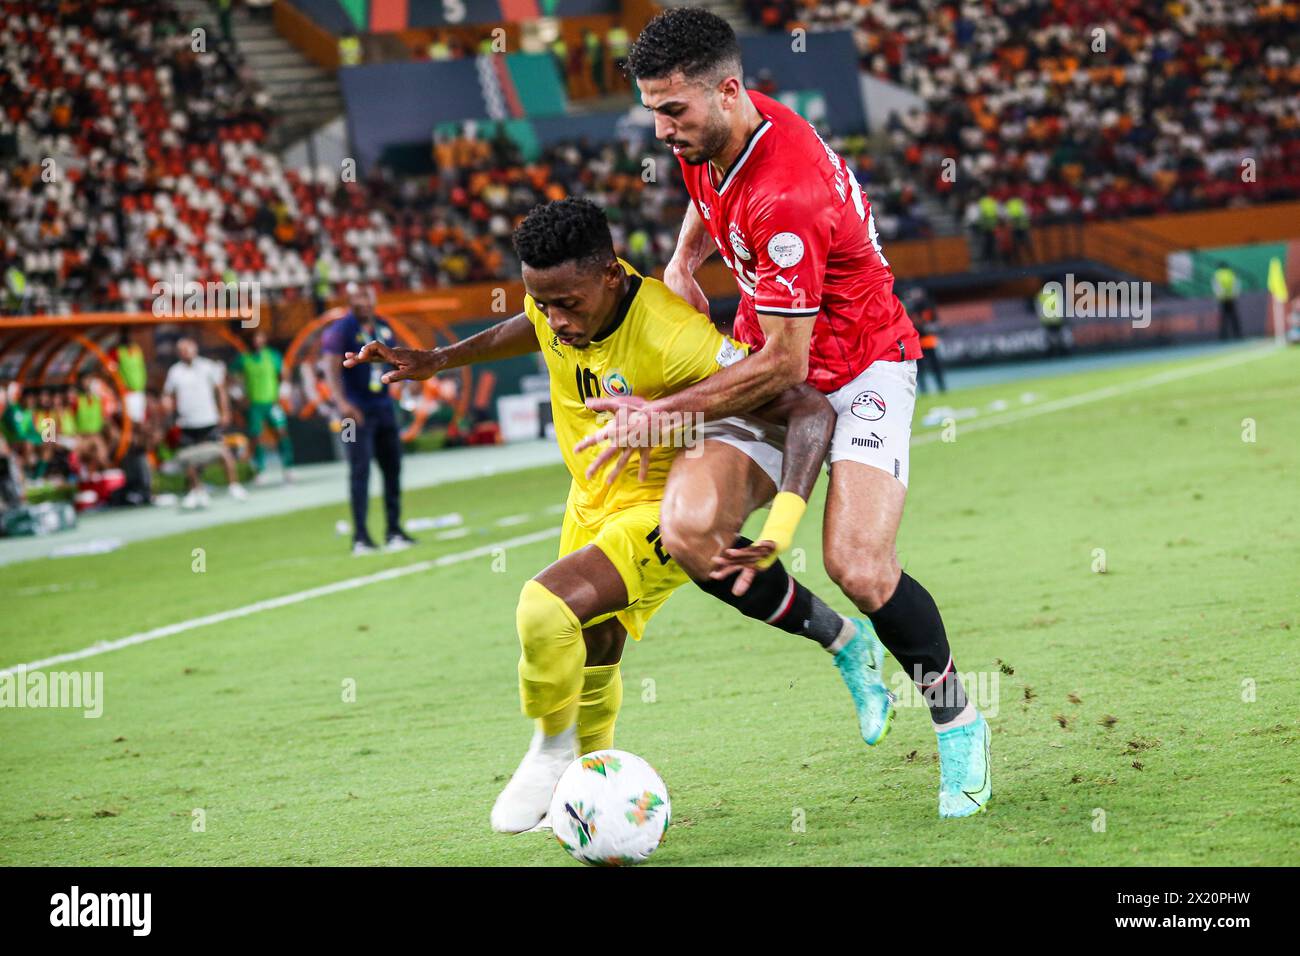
<point x="1097" y="395"/>
<point x="1056" y="405"/>
<point x="103" y="647"/>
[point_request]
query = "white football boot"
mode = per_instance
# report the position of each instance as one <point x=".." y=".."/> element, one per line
<point x="524" y="802"/>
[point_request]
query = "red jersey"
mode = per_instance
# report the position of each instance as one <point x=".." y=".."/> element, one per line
<point x="795" y="229"/>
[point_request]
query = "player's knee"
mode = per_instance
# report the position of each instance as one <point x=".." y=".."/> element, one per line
<point x="867" y="583"/>
<point x="691" y="534"/>
<point x="550" y="636"/>
<point x="542" y="617"/>
<point x="691" y="540"/>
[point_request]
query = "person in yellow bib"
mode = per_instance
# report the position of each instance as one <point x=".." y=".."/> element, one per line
<point x="1226" y="288"/>
<point x="350" y="53"/>
<point x="604" y="329"/>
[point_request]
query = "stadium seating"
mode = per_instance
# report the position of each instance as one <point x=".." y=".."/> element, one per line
<point x="1098" y="110"/>
<point x="139" y="158"/>
<point x="142" y="159"/>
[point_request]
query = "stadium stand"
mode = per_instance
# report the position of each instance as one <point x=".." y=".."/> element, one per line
<point x="157" y="166"/>
<point x="143" y="140"/>
<point x="1082" y="111"/>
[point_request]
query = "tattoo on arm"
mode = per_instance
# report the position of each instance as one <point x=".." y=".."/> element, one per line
<point x="810" y="423"/>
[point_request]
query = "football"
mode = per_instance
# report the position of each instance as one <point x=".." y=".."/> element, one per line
<point x="610" y="808"/>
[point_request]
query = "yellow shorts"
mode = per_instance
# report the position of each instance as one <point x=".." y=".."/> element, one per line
<point x="630" y="539"/>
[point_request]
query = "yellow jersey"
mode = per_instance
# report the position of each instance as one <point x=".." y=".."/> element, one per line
<point x="657" y="345"/>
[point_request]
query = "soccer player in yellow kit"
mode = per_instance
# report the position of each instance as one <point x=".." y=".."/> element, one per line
<point x="603" y="330"/>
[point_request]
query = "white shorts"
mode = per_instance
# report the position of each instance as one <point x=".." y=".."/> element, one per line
<point x="873" y="424"/>
<point x="134" y="402"/>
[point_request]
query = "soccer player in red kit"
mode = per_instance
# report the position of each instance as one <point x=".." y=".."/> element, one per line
<point x="793" y="225"/>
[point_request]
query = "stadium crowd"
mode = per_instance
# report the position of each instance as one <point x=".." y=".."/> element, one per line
<point x="1081" y="111"/>
<point x="136" y="158"/>
<point x="132" y="147"/>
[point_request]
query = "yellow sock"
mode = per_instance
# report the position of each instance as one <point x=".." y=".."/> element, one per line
<point x="602" y="696"/>
<point x="550" y="667"/>
<point x="559" y="720"/>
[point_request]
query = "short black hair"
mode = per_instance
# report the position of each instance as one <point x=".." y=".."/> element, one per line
<point x="689" y="39"/>
<point x="564" y="231"/>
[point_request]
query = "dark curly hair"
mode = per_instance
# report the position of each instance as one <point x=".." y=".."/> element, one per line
<point x="564" y="231"/>
<point x="695" y="41"/>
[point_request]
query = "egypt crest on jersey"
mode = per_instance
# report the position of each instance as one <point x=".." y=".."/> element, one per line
<point x="738" y="258"/>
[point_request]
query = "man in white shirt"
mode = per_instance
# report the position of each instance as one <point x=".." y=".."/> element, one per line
<point x="195" y="391"/>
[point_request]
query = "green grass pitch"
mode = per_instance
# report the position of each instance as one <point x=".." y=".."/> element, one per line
<point x="1145" y="715"/>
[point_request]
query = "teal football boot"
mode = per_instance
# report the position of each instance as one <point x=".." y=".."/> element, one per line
<point x="965" y="784"/>
<point x="860" y="662"/>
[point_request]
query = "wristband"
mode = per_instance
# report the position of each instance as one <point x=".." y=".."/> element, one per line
<point x="782" y="520"/>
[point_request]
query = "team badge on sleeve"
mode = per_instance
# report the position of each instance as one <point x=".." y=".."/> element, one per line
<point x="785" y="249"/>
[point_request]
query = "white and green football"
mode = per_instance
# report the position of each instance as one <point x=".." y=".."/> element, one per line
<point x="610" y="808"/>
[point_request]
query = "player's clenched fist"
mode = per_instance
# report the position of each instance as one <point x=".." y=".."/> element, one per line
<point x="408" y="364"/>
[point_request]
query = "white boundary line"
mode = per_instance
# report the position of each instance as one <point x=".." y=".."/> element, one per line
<point x="1056" y="405"/>
<point x="1097" y="395"/>
<point x="103" y="647"/>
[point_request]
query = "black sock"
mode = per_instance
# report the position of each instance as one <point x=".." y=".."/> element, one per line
<point x="776" y="598"/>
<point x="911" y="629"/>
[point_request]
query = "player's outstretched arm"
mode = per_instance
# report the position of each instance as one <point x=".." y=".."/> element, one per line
<point x="513" y="337"/>
<point x="782" y="362"/>
<point x="810" y="423"/>
<point x="748" y="384"/>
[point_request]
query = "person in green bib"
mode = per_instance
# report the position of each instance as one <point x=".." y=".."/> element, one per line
<point x="67" y="417"/>
<point x="129" y="358"/>
<point x="17" y="423"/>
<point x="595" y="59"/>
<point x="321" y="284"/>
<point x="617" y="40"/>
<point x="88" y="416"/>
<point x="89" y="408"/>
<point x="260" y="369"/>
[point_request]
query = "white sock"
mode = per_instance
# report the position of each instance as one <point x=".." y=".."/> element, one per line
<point x="847" y="630"/>
<point x="967" y="716"/>
<point x="563" y="744"/>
